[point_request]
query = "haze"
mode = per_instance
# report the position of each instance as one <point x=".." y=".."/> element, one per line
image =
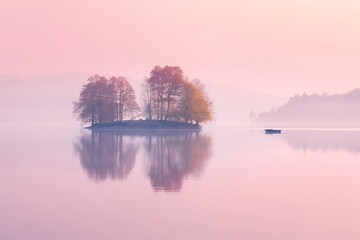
<point x="260" y="52"/>
<point x="230" y="180"/>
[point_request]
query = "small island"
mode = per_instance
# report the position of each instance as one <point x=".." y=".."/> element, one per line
<point x="146" y="125"/>
<point x="168" y="101"/>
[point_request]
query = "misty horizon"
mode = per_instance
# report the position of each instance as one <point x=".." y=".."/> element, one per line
<point x="182" y="119"/>
<point x="15" y="89"/>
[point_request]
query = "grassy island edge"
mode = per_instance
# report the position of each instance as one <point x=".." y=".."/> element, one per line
<point x="146" y="125"/>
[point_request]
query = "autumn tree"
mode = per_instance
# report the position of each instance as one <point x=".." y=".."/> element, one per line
<point x="167" y="95"/>
<point x="147" y="100"/>
<point x="124" y="98"/>
<point x="195" y="104"/>
<point x="102" y="100"/>
<point x="165" y="84"/>
<point x="94" y="104"/>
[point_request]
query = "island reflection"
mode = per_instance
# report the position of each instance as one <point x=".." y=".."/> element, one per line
<point x="106" y="154"/>
<point x="172" y="156"/>
<point x="169" y="156"/>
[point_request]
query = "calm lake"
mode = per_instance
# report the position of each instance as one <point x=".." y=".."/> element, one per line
<point x="66" y="183"/>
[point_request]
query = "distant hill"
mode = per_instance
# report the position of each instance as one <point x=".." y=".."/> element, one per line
<point x="342" y="108"/>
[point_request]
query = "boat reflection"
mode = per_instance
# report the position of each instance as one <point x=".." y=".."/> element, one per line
<point x="169" y="156"/>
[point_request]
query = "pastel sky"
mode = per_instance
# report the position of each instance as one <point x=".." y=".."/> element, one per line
<point x="280" y="47"/>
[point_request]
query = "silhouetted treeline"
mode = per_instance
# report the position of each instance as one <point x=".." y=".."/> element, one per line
<point x="317" y="108"/>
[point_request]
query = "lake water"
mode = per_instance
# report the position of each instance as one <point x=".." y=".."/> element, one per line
<point x="66" y="183"/>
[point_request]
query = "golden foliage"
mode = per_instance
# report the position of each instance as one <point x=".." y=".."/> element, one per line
<point x="196" y="105"/>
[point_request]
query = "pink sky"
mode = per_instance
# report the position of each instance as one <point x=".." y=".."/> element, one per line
<point x="280" y="47"/>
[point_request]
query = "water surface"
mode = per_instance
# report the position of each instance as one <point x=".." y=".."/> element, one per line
<point x="66" y="183"/>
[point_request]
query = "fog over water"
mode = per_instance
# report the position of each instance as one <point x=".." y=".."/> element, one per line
<point x="289" y="65"/>
<point x="227" y="181"/>
<point x="48" y="99"/>
<point x="60" y="182"/>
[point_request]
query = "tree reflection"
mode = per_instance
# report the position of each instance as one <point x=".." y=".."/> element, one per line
<point x="172" y="156"/>
<point x="105" y="154"/>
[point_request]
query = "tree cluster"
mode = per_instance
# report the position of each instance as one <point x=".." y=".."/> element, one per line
<point x="166" y="95"/>
<point x="106" y="100"/>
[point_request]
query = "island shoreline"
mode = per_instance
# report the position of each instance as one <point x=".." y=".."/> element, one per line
<point x="146" y="125"/>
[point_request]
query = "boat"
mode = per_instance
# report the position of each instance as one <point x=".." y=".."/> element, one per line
<point x="272" y="131"/>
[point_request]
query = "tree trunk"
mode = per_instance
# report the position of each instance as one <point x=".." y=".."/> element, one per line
<point x="168" y="107"/>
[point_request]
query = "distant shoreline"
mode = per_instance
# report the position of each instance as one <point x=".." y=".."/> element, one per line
<point x="146" y="125"/>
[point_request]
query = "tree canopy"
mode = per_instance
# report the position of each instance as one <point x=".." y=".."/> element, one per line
<point x="102" y="100"/>
<point x="195" y="104"/>
<point x="165" y="95"/>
